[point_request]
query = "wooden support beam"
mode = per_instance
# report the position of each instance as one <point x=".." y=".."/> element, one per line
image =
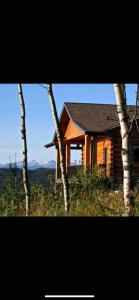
<point x="87" y="152"/>
<point x="82" y="155"/>
<point x="94" y="152"/>
<point x="76" y="148"/>
<point x="76" y="141"/>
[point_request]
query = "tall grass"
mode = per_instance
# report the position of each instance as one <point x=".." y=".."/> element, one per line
<point x="90" y="195"/>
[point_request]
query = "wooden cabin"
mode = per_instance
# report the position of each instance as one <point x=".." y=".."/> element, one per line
<point x="94" y="129"/>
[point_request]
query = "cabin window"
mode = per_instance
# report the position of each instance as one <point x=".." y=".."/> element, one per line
<point x="136" y="153"/>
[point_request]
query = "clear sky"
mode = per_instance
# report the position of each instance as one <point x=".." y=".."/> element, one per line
<point x="40" y="128"/>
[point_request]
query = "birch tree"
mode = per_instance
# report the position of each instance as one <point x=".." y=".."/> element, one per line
<point x="24" y="141"/>
<point x="120" y="93"/>
<point x="61" y="148"/>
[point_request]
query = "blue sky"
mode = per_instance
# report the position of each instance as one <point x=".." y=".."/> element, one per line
<point x="40" y="128"/>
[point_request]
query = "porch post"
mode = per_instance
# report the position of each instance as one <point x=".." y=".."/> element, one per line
<point x="67" y="158"/>
<point x="87" y="152"/>
<point x="94" y="152"/>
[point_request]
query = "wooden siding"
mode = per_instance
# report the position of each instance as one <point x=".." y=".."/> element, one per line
<point x="101" y="144"/>
<point x="93" y="152"/>
<point x="72" y="131"/>
<point x="117" y="147"/>
<point x="117" y="157"/>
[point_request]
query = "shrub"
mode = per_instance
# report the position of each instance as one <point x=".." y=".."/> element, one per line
<point x="89" y="183"/>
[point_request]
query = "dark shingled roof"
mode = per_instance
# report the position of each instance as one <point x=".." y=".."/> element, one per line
<point x="96" y="117"/>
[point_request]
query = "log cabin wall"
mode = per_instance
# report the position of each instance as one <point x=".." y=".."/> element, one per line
<point x="101" y="144"/>
<point x="117" y="158"/>
<point x="93" y="152"/>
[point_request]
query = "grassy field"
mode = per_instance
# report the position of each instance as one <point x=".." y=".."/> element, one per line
<point x="90" y="195"/>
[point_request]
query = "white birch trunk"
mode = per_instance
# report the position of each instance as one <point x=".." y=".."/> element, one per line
<point x="122" y="114"/>
<point x="24" y="141"/>
<point x="61" y="148"/>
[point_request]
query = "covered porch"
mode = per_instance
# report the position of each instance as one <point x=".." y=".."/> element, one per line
<point x="95" y="150"/>
<point x="86" y="144"/>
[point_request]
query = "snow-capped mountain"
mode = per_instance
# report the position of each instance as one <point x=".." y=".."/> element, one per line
<point x="33" y="165"/>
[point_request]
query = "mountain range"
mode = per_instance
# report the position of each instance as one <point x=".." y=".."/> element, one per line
<point x="32" y="165"/>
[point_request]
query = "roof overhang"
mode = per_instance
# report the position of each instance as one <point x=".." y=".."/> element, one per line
<point x="54" y="137"/>
<point x="49" y="145"/>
